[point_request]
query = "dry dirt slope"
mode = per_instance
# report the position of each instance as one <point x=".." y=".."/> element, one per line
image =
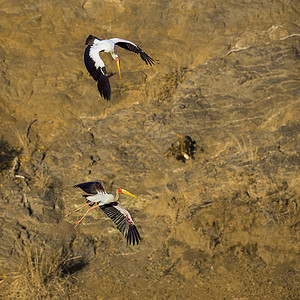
<point x="222" y="225"/>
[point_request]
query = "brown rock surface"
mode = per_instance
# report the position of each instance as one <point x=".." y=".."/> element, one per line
<point x="221" y="225"/>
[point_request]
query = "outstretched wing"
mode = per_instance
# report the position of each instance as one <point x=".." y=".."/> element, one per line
<point x="92" y="187"/>
<point x="130" y="46"/>
<point x="95" y="66"/>
<point x="93" y="62"/>
<point x="104" y="86"/>
<point x="121" y="217"/>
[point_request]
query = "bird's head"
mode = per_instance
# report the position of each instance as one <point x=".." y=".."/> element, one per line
<point x="123" y="191"/>
<point x="117" y="59"/>
<point x="118" y="64"/>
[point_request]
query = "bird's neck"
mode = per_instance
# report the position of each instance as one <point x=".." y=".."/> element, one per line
<point x="115" y="56"/>
<point x="117" y="195"/>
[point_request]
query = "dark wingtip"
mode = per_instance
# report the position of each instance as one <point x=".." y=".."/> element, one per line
<point x="107" y="98"/>
<point x="133" y="236"/>
<point x="105" y="94"/>
<point x="148" y="59"/>
<point x="90" y="40"/>
<point x="104" y="88"/>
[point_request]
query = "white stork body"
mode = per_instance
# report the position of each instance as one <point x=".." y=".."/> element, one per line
<point x="110" y="206"/>
<point x="101" y="199"/>
<point x="106" y="46"/>
<point x="96" y="66"/>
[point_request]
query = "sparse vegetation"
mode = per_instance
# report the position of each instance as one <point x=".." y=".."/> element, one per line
<point x="39" y="273"/>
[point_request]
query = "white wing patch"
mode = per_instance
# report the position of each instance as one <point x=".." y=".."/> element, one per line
<point x="94" y="55"/>
<point x="99" y="46"/>
<point x="101" y="198"/>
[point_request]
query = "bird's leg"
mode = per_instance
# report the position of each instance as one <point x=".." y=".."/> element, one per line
<point x="85" y="215"/>
<point x="89" y="203"/>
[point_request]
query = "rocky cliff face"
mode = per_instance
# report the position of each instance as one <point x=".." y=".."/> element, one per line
<point x="208" y="139"/>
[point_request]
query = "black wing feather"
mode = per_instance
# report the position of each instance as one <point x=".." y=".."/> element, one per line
<point x="92" y="187"/>
<point x="145" y="57"/>
<point x="129" y="47"/>
<point x="99" y="74"/>
<point x="90" y="64"/>
<point x="129" y="231"/>
<point x="104" y="86"/>
<point x="90" y="40"/>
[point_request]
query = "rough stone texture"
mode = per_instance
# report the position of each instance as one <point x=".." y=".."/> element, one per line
<point x="223" y="225"/>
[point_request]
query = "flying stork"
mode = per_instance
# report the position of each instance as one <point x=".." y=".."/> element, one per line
<point x="96" y="66"/>
<point x="110" y="206"/>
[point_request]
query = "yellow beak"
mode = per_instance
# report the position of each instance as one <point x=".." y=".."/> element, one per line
<point x="127" y="193"/>
<point x="118" y="64"/>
